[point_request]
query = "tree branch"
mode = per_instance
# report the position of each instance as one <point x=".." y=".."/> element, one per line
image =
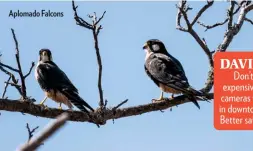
<point x="30" y="132"/>
<point x="6" y="86"/>
<point x="23" y="86"/>
<point x="95" y="31"/>
<point x="48" y="131"/>
<point x="78" y="116"/>
<point x="33" y="64"/>
<point x="202" y="10"/>
<point x="14" y="80"/>
<point x="9" y="67"/>
<point x="226" y="20"/>
<point x="183" y="10"/>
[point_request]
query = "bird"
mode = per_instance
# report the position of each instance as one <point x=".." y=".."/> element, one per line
<point x="167" y="72"/>
<point x="56" y="85"/>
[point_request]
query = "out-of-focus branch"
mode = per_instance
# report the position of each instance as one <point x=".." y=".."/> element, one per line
<point x="48" y="131"/>
<point x="95" y="27"/>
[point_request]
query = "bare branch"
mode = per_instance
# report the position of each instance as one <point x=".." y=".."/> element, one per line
<point x="23" y="86"/>
<point x="212" y="26"/>
<point x="30" y="132"/>
<point x="53" y="127"/>
<point x="248" y="20"/>
<point x="9" y="67"/>
<point x="79" y="20"/>
<point x="95" y="31"/>
<point x="97" y="22"/>
<point x="14" y="80"/>
<point x="230" y="13"/>
<point x="13" y="84"/>
<point x="5" y="87"/>
<point x="119" y="105"/>
<point x="78" y="116"/>
<point x="33" y="64"/>
<point x="202" y="10"/>
<point x="230" y="10"/>
<point x="229" y="35"/>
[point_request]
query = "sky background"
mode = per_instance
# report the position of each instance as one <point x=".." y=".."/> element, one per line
<point x="127" y="25"/>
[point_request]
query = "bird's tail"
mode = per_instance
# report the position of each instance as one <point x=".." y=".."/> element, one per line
<point x="201" y="95"/>
<point x="78" y="101"/>
<point x="194" y="100"/>
<point x="196" y="94"/>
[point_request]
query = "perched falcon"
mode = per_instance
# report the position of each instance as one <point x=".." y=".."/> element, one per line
<point x="167" y="72"/>
<point x="55" y="83"/>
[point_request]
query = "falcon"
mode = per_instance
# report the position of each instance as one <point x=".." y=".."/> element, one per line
<point x="56" y="85"/>
<point x="167" y="72"/>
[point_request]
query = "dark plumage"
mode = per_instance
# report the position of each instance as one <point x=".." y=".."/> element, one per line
<point x="55" y="83"/>
<point x="167" y="72"/>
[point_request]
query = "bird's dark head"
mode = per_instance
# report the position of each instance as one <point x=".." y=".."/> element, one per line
<point x="155" y="46"/>
<point x="45" y="55"/>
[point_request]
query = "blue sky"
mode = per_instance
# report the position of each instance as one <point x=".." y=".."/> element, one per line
<point x="127" y="25"/>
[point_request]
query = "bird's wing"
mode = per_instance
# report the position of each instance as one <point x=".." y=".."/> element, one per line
<point x="50" y="76"/>
<point x="165" y="70"/>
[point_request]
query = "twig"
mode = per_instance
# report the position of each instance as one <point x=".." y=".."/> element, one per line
<point x="95" y="31"/>
<point x="30" y="132"/>
<point x="9" y="67"/>
<point x="23" y="86"/>
<point x="212" y="26"/>
<point x="248" y="20"/>
<point x="53" y="127"/>
<point x="13" y="78"/>
<point x="119" y="105"/>
<point x="33" y="64"/>
<point x="202" y="10"/>
<point x="6" y="86"/>
<point x="225" y="21"/>
<point x="13" y="84"/>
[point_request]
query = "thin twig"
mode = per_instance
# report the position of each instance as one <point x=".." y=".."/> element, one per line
<point x="223" y="22"/>
<point x="9" y="67"/>
<point x="6" y="86"/>
<point x="30" y="132"/>
<point x="248" y="20"/>
<point x="33" y="64"/>
<point x="13" y="78"/>
<point x="13" y="84"/>
<point x="48" y="131"/>
<point x="202" y="10"/>
<point x="119" y="105"/>
<point x="23" y="86"/>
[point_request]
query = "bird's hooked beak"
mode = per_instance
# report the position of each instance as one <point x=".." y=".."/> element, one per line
<point x="145" y="46"/>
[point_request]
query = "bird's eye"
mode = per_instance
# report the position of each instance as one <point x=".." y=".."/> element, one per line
<point x="155" y="47"/>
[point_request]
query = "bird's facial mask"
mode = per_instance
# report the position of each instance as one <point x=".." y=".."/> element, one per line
<point x="146" y="48"/>
<point x="45" y="56"/>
